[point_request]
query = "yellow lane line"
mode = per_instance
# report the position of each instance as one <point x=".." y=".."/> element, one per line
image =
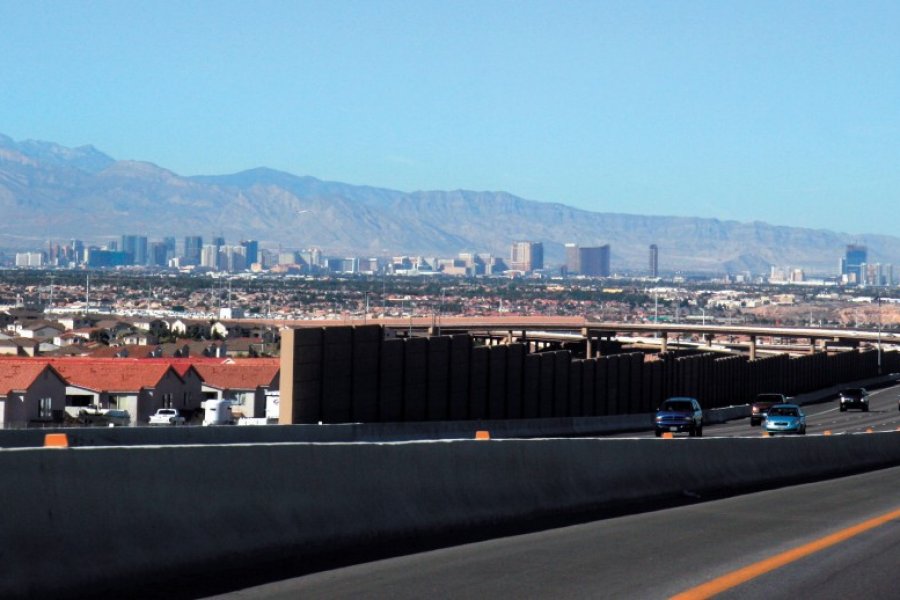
<point x="736" y="578"/>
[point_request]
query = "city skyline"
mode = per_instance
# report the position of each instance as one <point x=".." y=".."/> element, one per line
<point x="783" y="113"/>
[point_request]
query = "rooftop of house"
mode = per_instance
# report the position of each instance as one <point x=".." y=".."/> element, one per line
<point x="17" y="376"/>
<point x="237" y="376"/>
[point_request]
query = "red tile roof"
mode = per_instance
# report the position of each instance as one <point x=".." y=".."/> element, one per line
<point x="18" y="375"/>
<point x="237" y="376"/>
<point x="132" y="374"/>
<point x="111" y="375"/>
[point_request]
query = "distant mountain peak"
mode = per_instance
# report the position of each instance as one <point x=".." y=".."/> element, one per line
<point x="85" y="158"/>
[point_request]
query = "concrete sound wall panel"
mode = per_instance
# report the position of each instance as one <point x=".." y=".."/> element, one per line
<point x="612" y="385"/>
<point x="562" y="361"/>
<point x="301" y="376"/>
<point x="531" y="384"/>
<point x="576" y="379"/>
<point x="498" y="367"/>
<point x="588" y="383"/>
<point x="390" y="382"/>
<point x="601" y="387"/>
<point x="415" y="379"/>
<point x="478" y="382"/>
<point x="460" y="350"/>
<point x="515" y="361"/>
<point x="337" y="362"/>
<point x="438" y="378"/>
<point x="637" y="383"/>
<point x="366" y="351"/>
<point x="548" y="385"/>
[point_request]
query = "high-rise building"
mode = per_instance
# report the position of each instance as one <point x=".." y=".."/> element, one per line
<point x="136" y="246"/>
<point x="591" y="261"/>
<point x="594" y="261"/>
<point x="854" y="257"/>
<point x="527" y="256"/>
<point x="170" y="243"/>
<point x="233" y="258"/>
<point x="251" y="248"/>
<point x="78" y="251"/>
<point x="159" y="254"/>
<point x="193" y="247"/>
<point x="29" y="259"/>
<point x="209" y="257"/>
<point x="654" y="260"/>
<point x="572" y="265"/>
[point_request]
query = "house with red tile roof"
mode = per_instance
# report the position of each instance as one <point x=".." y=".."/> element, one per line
<point x="245" y="384"/>
<point x="138" y="386"/>
<point x="30" y="391"/>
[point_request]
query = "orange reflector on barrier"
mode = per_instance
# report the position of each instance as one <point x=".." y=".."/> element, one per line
<point x="826" y="432"/>
<point x="56" y="440"/>
<point x="869" y="430"/>
<point x="482" y="435"/>
<point x="668" y="435"/>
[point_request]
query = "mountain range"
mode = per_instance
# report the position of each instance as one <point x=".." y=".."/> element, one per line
<point x="51" y="192"/>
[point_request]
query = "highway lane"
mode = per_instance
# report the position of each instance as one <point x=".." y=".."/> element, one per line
<point x="882" y="416"/>
<point x="653" y="555"/>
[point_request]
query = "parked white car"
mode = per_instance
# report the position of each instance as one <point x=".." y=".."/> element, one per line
<point x="167" y="416"/>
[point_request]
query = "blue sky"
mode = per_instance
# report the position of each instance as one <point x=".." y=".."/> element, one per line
<point x="785" y="112"/>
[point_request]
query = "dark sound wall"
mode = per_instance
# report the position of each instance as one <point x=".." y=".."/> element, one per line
<point x="354" y="374"/>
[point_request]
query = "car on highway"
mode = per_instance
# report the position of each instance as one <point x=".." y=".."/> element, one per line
<point x="854" y="398"/>
<point x="167" y="416"/>
<point x="679" y="414"/>
<point x="785" y="418"/>
<point x="761" y="405"/>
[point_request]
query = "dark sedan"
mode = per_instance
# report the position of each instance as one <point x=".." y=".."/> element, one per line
<point x="855" y="398"/>
<point x="679" y="414"/>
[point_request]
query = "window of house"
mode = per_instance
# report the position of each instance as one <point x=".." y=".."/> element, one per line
<point x="45" y="408"/>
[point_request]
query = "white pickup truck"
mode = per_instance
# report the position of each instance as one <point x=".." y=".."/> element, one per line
<point x="167" y="416"/>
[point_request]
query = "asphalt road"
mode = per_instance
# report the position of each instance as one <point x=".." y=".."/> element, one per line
<point x="661" y="553"/>
<point x="882" y="416"/>
<point x="654" y="555"/>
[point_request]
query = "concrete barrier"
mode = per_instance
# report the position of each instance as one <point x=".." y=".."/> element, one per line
<point x="177" y="521"/>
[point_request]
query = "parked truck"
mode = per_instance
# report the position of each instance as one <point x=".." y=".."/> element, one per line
<point x="167" y="416"/>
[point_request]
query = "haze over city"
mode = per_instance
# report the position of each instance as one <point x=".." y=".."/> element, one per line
<point x="784" y="113"/>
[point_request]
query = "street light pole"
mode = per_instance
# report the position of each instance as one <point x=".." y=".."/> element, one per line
<point x="366" y="309"/>
<point x="880" y="325"/>
<point x="656" y="307"/>
<point x="440" y="312"/>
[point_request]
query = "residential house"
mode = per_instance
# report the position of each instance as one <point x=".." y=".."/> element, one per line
<point x="138" y="386"/>
<point x="244" y="384"/>
<point x="39" y="330"/>
<point x="192" y="328"/>
<point x="30" y="391"/>
<point x="18" y="346"/>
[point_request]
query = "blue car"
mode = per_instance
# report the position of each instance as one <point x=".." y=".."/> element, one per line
<point x="785" y="418"/>
<point x="679" y="414"/>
